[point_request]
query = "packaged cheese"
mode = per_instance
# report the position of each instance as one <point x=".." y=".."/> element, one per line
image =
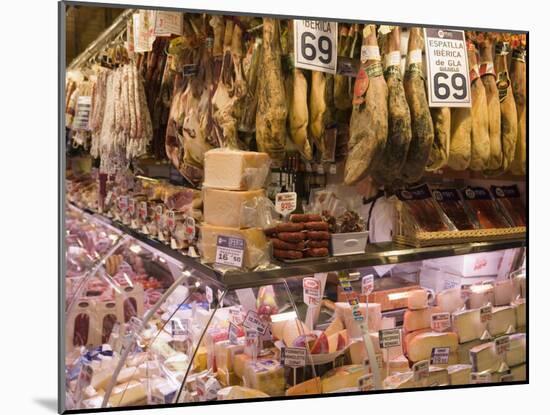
<point x="126" y="394"/>
<point x="233" y="209"/>
<point x="521" y="312"/>
<point x="266" y="376"/>
<point x="235" y="169"/>
<point x="467" y="324"/>
<point x="417" y="299"/>
<point x="255" y="249"/>
<point x="420" y="347"/>
<point x="480" y="295"/>
<point x="484" y="357"/>
<point x="225" y="352"/>
<point x="504" y="292"/>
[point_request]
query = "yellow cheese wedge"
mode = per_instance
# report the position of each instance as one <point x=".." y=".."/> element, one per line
<point x="309" y="387"/>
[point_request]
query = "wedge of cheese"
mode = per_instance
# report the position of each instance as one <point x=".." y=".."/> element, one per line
<point x="467" y="324"/>
<point x="407" y="338"/>
<point x="484" y="357"/>
<point x="255" y="250"/>
<point x="225" y="353"/>
<point x="503" y="318"/>
<point x="235" y="170"/>
<point x="399" y="381"/>
<point x="309" y="387"/>
<point x="459" y="374"/>
<point x="343" y="378"/>
<point x="234" y="209"/>
<point x="450" y="300"/>
<point x="518" y="350"/>
<point x="521" y="312"/>
<point x="418" y="319"/>
<point x="130" y="393"/>
<point x="504" y="292"/>
<point x="420" y="347"/>
<point x="417" y="299"/>
<point x="239" y="392"/>
<point x="399" y="364"/>
<point x="335" y="326"/>
<point x="266" y="376"/>
<point x="292" y="330"/>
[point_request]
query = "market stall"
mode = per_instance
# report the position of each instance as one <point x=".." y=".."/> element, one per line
<point x="261" y="207"/>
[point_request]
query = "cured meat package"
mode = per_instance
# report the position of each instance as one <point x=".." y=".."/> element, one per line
<point x="450" y="202"/>
<point x="422" y="207"/>
<point x="483" y="207"/>
<point x="509" y="201"/>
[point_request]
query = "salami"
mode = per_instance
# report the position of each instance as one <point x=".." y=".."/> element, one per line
<point x="278" y="244"/>
<point x="281" y="253"/>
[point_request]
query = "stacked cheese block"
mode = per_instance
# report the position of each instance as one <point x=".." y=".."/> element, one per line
<point x="306" y="235"/>
<point x="233" y="184"/>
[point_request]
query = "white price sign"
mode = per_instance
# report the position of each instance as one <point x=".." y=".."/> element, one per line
<point x="367" y="284"/>
<point x="441" y="321"/>
<point x="168" y="23"/>
<point x="230" y="251"/>
<point x="421" y="370"/>
<point x="389" y="338"/>
<point x="294" y="356"/>
<point x="315" y="43"/>
<point x="502" y="344"/>
<point x="312" y="291"/>
<point x="285" y="203"/>
<point x="440" y="355"/>
<point x="447" y="68"/>
<point x="253" y="321"/>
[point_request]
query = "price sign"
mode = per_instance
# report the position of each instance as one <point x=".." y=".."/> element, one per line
<point x="132" y="207"/>
<point x="293" y="356"/>
<point x="441" y="321"/>
<point x="158" y="214"/>
<point x="236" y="315"/>
<point x="189" y="228"/>
<point x="447" y="68"/>
<point x="367" y="284"/>
<point x="312" y="291"/>
<point x="502" y="344"/>
<point x="251" y="337"/>
<point x="142" y="210"/>
<point x="440" y="355"/>
<point x="389" y="338"/>
<point x="167" y="23"/>
<point x="421" y="370"/>
<point x="230" y="251"/>
<point x="123" y="203"/>
<point x="315" y="43"/>
<point x="209" y="295"/>
<point x="486" y="313"/>
<point x="233" y="333"/>
<point x="481" y="377"/>
<point x="179" y="328"/>
<point x="285" y="203"/>
<point x="253" y="321"/>
<point x="365" y="383"/>
<point x="170" y="220"/>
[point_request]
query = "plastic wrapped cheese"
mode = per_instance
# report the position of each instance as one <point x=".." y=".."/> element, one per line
<point x="126" y="394"/>
<point x="255" y="249"/>
<point x="234" y="209"/>
<point x="266" y="376"/>
<point x="521" y="312"/>
<point x="235" y="170"/>
<point x="467" y="324"/>
<point x="239" y="392"/>
<point x="481" y="295"/>
<point x="504" y="292"/>
<point x="225" y="353"/>
<point x="417" y="299"/>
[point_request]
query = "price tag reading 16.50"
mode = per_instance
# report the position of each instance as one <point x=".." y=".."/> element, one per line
<point x="447" y="68"/>
<point x="315" y="43"/>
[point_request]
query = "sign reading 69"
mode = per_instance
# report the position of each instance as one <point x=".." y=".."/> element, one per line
<point x="315" y="45"/>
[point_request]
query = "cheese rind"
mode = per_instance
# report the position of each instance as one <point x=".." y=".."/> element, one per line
<point x="255" y="250"/>
<point x="420" y="347"/>
<point x="235" y="170"/>
<point x="467" y="324"/>
<point x="503" y="318"/>
<point x="234" y="209"/>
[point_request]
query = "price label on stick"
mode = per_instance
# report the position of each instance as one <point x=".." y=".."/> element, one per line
<point x="441" y="321"/>
<point x="123" y="203"/>
<point x="170" y="220"/>
<point x="312" y="291"/>
<point x="233" y="333"/>
<point x="142" y="211"/>
<point x="421" y="370"/>
<point x="367" y="284"/>
<point x="209" y="295"/>
<point x="285" y="203"/>
<point x="486" y="313"/>
<point x="230" y="251"/>
<point x="253" y="321"/>
<point x="389" y="338"/>
<point x="315" y="45"/>
<point x="293" y="356"/>
<point x="447" y="68"/>
<point x="365" y="383"/>
<point x="251" y="337"/>
<point x="502" y="344"/>
<point x="179" y="328"/>
<point x="189" y="228"/>
<point x="440" y="355"/>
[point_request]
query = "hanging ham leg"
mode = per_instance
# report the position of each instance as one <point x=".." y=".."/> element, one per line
<point x="518" y="76"/>
<point x="461" y="139"/>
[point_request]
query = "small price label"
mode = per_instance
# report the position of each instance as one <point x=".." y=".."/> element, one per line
<point x="170" y="220"/>
<point x="481" y="377"/>
<point x="421" y="370"/>
<point x="447" y="68"/>
<point x="132" y="207"/>
<point x="251" y="337"/>
<point x="285" y="203"/>
<point x="85" y="376"/>
<point x="367" y="284"/>
<point x="440" y="355"/>
<point x="142" y="210"/>
<point x="179" y="328"/>
<point x="315" y="43"/>
<point x="189" y="228"/>
<point x="365" y="383"/>
<point x="486" y="313"/>
<point x="502" y="344"/>
<point x="209" y="295"/>
<point x="236" y="315"/>
<point x="312" y="291"/>
<point x="389" y="338"/>
<point x="158" y="214"/>
<point x="230" y="251"/>
<point x="332" y="169"/>
<point x="123" y="203"/>
<point x="293" y="356"/>
<point x="441" y="321"/>
<point x="233" y="333"/>
<point x="167" y="23"/>
<point x="253" y="321"/>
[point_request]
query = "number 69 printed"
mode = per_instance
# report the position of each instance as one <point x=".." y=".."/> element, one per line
<point x="315" y="45"/>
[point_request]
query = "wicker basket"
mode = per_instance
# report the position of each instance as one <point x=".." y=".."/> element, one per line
<point x="405" y="232"/>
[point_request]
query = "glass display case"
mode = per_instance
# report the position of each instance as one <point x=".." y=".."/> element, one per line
<point x="147" y="325"/>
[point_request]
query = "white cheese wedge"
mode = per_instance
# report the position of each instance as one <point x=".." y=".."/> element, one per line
<point x="358" y="351"/>
<point x="484" y="357"/>
<point x="420" y="347"/>
<point x="521" y="312"/>
<point x="225" y="353"/>
<point x="399" y="364"/>
<point x="235" y="170"/>
<point x="503" y="318"/>
<point x="504" y="292"/>
<point x="234" y="209"/>
<point x="459" y="374"/>
<point x="450" y="300"/>
<point x="467" y="324"/>
<point x="517" y="353"/>
<point x="255" y="250"/>
<point x="417" y="299"/>
<point x="419" y="319"/>
<point x="481" y="295"/>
